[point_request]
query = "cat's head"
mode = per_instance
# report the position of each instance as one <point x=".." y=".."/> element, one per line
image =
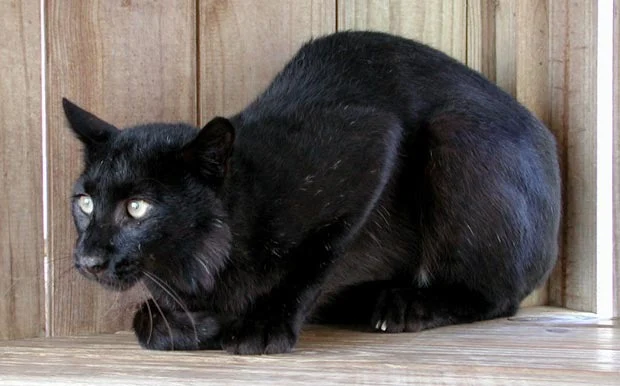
<point x="148" y="204"/>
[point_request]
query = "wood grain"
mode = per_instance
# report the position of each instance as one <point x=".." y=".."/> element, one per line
<point x="440" y="24"/>
<point x="481" y="37"/>
<point x="531" y="77"/>
<point x="616" y="182"/>
<point x="243" y="45"/>
<point x="518" y="32"/>
<point x="505" y="45"/>
<point x="532" y="57"/>
<point x="21" y="212"/>
<point x="128" y="62"/>
<point x="544" y="56"/>
<point x="572" y="74"/>
<point x="538" y="347"/>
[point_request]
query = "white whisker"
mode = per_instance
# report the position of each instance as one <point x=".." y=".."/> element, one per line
<point x="204" y="265"/>
<point x="113" y="305"/>
<point x="148" y="307"/>
<point x="166" y="322"/>
<point x="164" y="286"/>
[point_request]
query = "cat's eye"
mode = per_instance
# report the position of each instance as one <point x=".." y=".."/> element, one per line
<point x="138" y="208"/>
<point x="86" y="204"/>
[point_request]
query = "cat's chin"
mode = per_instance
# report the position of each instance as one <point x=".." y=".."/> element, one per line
<point x="117" y="285"/>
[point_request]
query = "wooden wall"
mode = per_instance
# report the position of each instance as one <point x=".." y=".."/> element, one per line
<point x="21" y="205"/>
<point x="243" y="44"/>
<point x="572" y="66"/>
<point x="132" y="61"/>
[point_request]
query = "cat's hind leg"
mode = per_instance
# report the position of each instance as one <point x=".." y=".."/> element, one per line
<point x="416" y="309"/>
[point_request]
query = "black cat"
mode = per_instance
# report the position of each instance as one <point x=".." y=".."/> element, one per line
<point x="375" y="181"/>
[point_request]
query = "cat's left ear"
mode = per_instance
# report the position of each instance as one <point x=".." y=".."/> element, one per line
<point x="210" y="150"/>
<point x="90" y="129"/>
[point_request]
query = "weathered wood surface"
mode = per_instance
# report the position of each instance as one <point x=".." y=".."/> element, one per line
<point x="21" y="202"/>
<point x="539" y="346"/>
<point x="440" y="24"/>
<point x="244" y="44"/>
<point x="572" y="75"/>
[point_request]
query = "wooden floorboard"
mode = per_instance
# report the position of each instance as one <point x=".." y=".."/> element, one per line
<point x="539" y="346"/>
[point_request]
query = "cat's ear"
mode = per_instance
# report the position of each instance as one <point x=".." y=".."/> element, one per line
<point x="210" y="150"/>
<point x="91" y="130"/>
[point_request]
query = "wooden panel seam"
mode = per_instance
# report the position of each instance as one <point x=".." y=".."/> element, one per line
<point x="616" y="149"/>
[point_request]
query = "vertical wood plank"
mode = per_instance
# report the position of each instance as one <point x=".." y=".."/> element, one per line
<point x="505" y="45"/>
<point x="21" y="205"/>
<point x="481" y="37"/>
<point x="507" y="40"/>
<point x="573" y="119"/>
<point x="440" y="24"/>
<point x="243" y="45"/>
<point x="532" y="57"/>
<point x="532" y="78"/>
<point x="128" y="61"/>
<point x="616" y="182"/>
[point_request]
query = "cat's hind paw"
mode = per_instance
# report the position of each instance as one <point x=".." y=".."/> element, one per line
<point x="396" y="311"/>
<point x="416" y="309"/>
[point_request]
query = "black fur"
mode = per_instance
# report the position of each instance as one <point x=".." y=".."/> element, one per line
<point x="375" y="181"/>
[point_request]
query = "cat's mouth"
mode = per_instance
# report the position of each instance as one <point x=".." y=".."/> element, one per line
<point x="111" y="279"/>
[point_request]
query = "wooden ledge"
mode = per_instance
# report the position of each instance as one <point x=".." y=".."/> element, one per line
<point x="541" y="345"/>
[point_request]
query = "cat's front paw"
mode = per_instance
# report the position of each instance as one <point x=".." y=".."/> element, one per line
<point x="253" y="337"/>
<point x="160" y="329"/>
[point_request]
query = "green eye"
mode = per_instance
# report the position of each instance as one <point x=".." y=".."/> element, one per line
<point x="138" y="208"/>
<point x="86" y="204"/>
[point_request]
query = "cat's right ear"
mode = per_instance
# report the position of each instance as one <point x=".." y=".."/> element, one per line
<point x="90" y="129"/>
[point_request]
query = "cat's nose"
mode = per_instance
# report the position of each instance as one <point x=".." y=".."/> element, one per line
<point x="93" y="264"/>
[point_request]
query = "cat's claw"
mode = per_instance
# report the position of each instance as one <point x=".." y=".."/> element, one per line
<point x="396" y="311"/>
<point x="381" y="325"/>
